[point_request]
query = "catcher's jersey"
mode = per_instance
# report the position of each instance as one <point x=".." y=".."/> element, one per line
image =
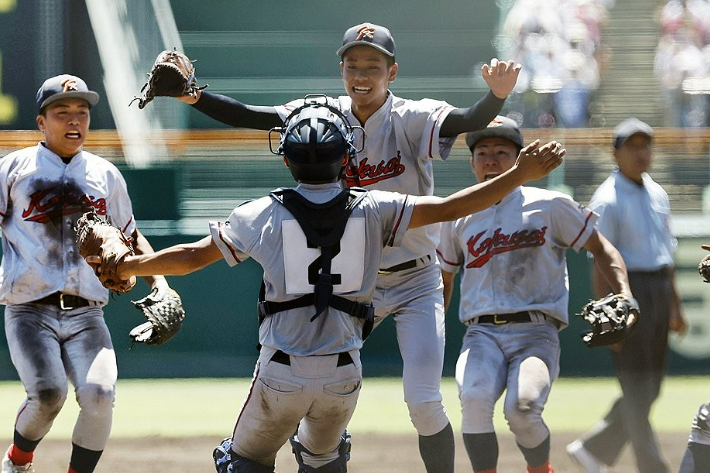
<point x="401" y="142"/>
<point x="41" y="199"/>
<point x="513" y="254"/>
<point x="636" y="220"/>
<point x="266" y="231"/>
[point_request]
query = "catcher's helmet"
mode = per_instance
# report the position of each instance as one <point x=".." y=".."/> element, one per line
<point x="315" y="140"/>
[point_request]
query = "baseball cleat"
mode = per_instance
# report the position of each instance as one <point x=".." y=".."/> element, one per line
<point x="9" y="467"/>
<point x="585" y="459"/>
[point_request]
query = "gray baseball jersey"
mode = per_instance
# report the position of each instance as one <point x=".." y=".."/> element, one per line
<point x="264" y="230"/>
<point x="506" y="250"/>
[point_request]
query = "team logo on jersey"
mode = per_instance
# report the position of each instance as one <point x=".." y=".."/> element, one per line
<point x="365" y="32"/>
<point x="367" y="174"/>
<point x="69" y="84"/>
<point x="483" y="251"/>
<point x="47" y="205"/>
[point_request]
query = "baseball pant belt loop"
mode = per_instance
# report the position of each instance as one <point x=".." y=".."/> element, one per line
<point x="501" y="319"/>
<point x="412" y="263"/>
<point x="280" y="357"/>
<point x="64" y="301"/>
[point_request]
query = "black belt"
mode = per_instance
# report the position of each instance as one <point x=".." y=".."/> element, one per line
<point x="412" y="263"/>
<point x="499" y="319"/>
<point x="63" y="301"/>
<point x="344" y="358"/>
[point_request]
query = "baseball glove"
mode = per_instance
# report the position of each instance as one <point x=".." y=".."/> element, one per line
<point x="704" y="270"/>
<point x="165" y="314"/>
<point x="611" y="318"/>
<point x="172" y="75"/>
<point x="96" y="236"/>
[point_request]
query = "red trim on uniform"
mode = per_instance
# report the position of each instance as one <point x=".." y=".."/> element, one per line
<point x="431" y="135"/>
<point x="251" y="391"/>
<point x="390" y="242"/>
<point x="445" y="260"/>
<point x="2" y="214"/>
<point x="231" y="250"/>
<point x="126" y="227"/>
<point x="581" y="231"/>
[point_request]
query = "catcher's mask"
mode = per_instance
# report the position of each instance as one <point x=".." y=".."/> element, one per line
<point x="315" y="139"/>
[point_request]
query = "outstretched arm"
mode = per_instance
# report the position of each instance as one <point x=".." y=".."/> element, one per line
<point x="534" y="162"/>
<point x="234" y="113"/>
<point x="176" y="260"/>
<point x="501" y="77"/>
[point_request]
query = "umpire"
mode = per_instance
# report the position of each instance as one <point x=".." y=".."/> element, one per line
<point x="635" y="217"/>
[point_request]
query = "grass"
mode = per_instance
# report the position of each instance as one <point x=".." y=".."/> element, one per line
<point x="192" y="407"/>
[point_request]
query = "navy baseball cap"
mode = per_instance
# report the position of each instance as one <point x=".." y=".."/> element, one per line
<point x="64" y="86"/>
<point x="368" y="34"/>
<point x="628" y="128"/>
<point x="500" y="127"/>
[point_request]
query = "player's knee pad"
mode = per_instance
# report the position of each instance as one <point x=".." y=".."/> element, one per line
<point x="339" y="465"/>
<point x="429" y="418"/>
<point x="226" y="461"/>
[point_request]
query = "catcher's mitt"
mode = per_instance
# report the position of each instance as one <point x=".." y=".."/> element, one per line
<point x="95" y="236"/>
<point x="172" y="75"/>
<point x="704" y="270"/>
<point x="165" y="314"/>
<point x="611" y="318"/>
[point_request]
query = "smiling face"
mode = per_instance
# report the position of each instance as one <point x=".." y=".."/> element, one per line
<point x="493" y="156"/>
<point x="65" y="124"/>
<point x="367" y="74"/>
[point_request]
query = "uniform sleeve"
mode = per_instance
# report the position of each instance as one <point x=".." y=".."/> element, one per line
<point x="606" y="223"/>
<point x="426" y="118"/>
<point x="237" y="237"/>
<point x="285" y="110"/>
<point x="6" y="179"/>
<point x="449" y="251"/>
<point x="119" y="205"/>
<point x="573" y="223"/>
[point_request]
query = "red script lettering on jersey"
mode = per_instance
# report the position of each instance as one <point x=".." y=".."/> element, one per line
<point x="368" y="174"/>
<point x="44" y="207"/>
<point x="500" y="243"/>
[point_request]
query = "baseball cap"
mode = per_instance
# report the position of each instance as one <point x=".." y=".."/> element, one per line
<point x="368" y="34"/>
<point x="629" y="127"/>
<point x="64" y="86"/>
<point x="499" y="127"/>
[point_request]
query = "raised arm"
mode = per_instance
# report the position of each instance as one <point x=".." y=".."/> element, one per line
<point x="234" y="113"/>
<point x="534" y="162"/>
<point x="501" y="77"/>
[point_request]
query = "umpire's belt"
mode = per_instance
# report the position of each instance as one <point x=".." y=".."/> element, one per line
<point x="64" y="301"/>
<point x="500" y="319"/>
<point x="344" y="358"/>
<point x="412" y="263"/>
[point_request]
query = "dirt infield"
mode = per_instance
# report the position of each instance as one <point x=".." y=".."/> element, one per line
<point x="372" y="453"/>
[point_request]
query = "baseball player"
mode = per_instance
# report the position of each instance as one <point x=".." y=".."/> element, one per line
<point x="404" y="137"/>
<point x="635" y="216"/>
<point x="316" y="303"/>
<point x="53" y="301"/>
<point x="697" y="453"/>
<point x="511" y="342"/>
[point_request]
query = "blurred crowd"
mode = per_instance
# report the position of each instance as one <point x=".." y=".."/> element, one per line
<point x="682" y="62"/>
<point x="559" y="41"/>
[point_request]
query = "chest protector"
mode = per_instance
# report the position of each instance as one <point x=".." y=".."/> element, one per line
<point x="324" y="226"/>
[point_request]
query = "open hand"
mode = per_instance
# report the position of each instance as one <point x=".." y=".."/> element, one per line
<point x="501" y="76"/>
